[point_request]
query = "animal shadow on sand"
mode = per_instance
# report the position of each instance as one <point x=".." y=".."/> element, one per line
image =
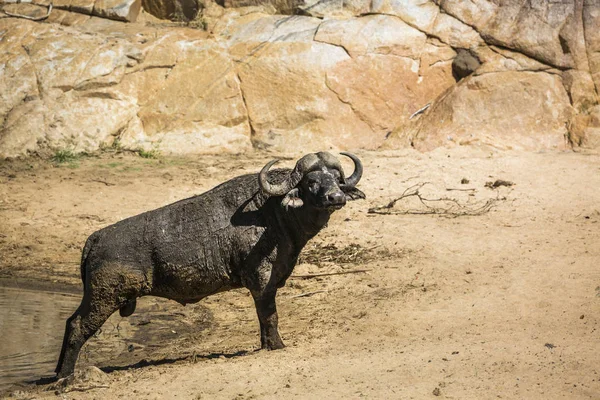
<point x="147" y="363"/>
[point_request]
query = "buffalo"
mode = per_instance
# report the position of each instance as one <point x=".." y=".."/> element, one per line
<point x="246" y="232"/>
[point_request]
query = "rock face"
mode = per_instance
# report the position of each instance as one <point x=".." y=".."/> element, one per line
<point x="505" y="110"/>
<point x="178" y="92"/>
<point x="119" y="10"/>
<point x="177" y="10"/>
<point x="344" y="75"/>
<point x="518" y="109"/>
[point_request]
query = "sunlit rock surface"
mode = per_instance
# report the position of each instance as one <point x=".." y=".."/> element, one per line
<point x="248" y="74"/>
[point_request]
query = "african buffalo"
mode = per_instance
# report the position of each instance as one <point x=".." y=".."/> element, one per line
<point x="246" y="232"/>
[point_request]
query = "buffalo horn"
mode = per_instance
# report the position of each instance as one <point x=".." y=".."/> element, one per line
<point x="302" y="166"/>
<point x="353" y="179"/>
<point x="332" y="162"/>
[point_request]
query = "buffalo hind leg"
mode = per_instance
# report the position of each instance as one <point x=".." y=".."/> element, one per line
<point x="80" y="327"/>
<point x="267" y="316"/>
<point x="111" y="287"/>
<point x="70" y="326"/>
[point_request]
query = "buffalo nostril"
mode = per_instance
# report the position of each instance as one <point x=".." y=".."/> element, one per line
<point x="336" y="198"/>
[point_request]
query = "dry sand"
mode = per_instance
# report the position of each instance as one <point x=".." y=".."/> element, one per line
<point x="500" y="305"/>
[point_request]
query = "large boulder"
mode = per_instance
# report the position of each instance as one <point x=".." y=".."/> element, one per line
<point x="539" y="29"/>
<point x="373" y="34"/>
<point x="120" y="10"/>
<point x="69" y="12"/>
<point x="189" y="99"/>
<point x="591" y="24"/>
<point x="56" y="88"/>
<point x="290" y="105"/>
<point x="503" y="110"/>
<point x="333" y="84"/>
<point x="390" y="60"/>
<point x="174" y="90"/>
<point x="283" y="80"/>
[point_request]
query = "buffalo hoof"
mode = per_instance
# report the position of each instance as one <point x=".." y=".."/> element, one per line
<point x="62" y="375"/>
<point x="273" y="344"/>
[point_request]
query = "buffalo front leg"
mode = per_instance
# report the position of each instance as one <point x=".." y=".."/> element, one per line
<point x="267" y="316"/>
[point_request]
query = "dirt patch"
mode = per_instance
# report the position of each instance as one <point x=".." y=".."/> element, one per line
<point x="148" y="337"/>
<point x="443" y="307"/>
<point x="318" y="254"/>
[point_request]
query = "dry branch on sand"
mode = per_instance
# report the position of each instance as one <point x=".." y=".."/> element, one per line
<point x="308" y="294"/>
<point x="318" y="253"/>
<point x="443" y="206"/>
<point x="308" y="276"/>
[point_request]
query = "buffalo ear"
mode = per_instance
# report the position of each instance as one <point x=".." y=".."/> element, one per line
<point x="292" y="199"/>
<point x="354" y="194"/>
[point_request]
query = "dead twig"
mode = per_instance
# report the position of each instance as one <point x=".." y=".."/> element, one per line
<point x="460" y="190"/>
<point x="443" y="206"/>
<point x="85" y="389"/>
<point x="308" y="294"/>
<point x="106" y="183"/>
<point x="353" y="253"/>
<point x="497" y="183"/>
<point x="309" y="276"/>
<point x="64" y="262"/>
<point x="90" y="217"/>
<point x="420" y="111"/>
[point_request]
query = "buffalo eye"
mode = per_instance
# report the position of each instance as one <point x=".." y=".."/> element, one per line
<point x="313" y="185"/>
<point x="337" y="176"/>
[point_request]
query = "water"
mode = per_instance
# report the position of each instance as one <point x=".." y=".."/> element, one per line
<point x="31" y="331"/>
<point x="32" y="325"/>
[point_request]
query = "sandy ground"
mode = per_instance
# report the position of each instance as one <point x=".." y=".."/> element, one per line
<point x="500" y="305"/>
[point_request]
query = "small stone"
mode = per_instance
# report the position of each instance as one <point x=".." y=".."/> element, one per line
<point x="91" y="374"/>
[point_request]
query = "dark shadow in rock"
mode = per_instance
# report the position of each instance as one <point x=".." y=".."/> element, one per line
<point x="464" y="64"/>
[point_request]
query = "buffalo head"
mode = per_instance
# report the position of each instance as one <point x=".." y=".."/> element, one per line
<point x="317" y="181"/>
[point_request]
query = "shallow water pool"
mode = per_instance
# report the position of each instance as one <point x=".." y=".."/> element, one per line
<point x="32" y="325"/>
<point x="31" y="331"/>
